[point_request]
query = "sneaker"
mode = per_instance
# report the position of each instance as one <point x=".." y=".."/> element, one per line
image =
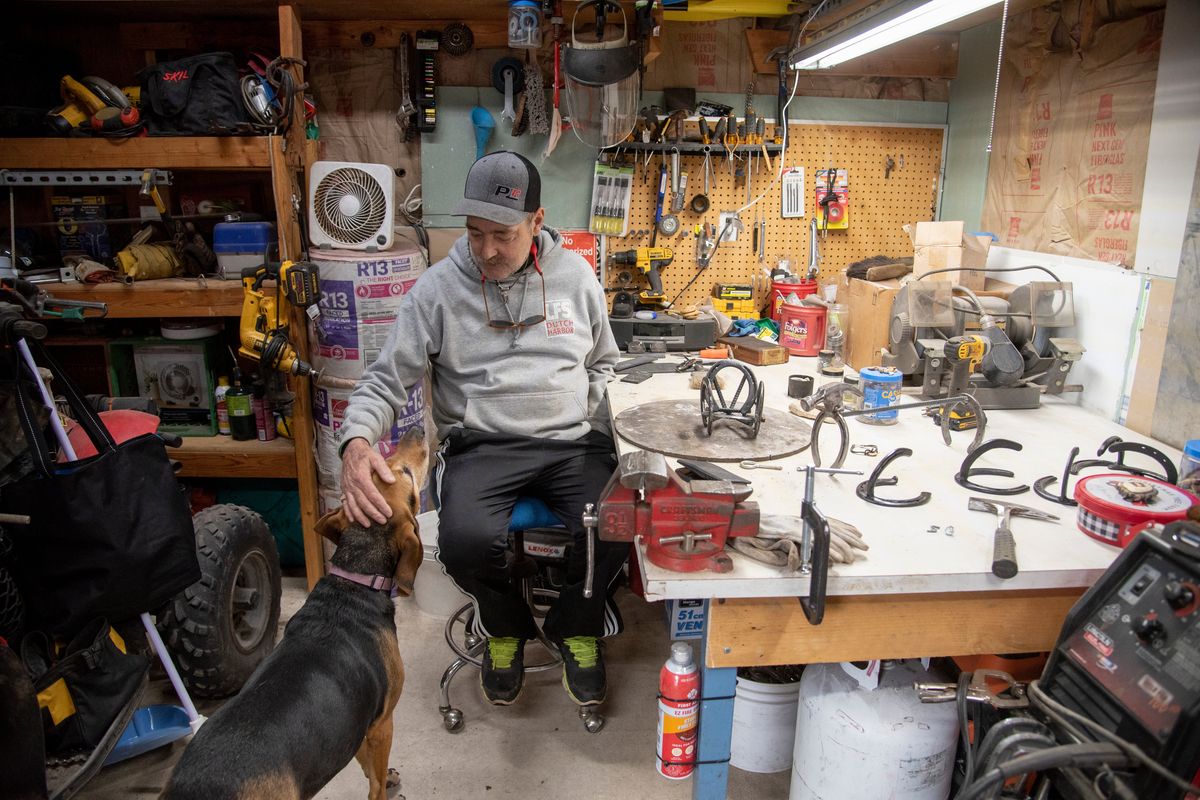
<point x="503" y="672"/>
<point x="583" y="669"/>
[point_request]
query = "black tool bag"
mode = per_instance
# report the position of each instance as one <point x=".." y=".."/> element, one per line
<point x="195" y="96"/>
<point x="81" y="691"/>
<point x="111" y="535"/>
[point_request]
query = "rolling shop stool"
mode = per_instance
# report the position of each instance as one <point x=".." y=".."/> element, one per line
<point x="541" y="547"/>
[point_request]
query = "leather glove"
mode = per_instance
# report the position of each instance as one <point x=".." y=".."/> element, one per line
<point x="779" y="539"/>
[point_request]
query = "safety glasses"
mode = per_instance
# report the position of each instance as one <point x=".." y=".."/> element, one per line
<point x="509" y="324"/>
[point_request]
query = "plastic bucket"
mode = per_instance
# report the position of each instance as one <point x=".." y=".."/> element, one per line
<point x="764" y="725"/>
<point x="433" y="590"/>
<point x="780" y="292"/>
<point x="802" y="329"/>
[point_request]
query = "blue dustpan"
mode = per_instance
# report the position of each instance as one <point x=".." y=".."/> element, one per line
<point x="151" y="727"/>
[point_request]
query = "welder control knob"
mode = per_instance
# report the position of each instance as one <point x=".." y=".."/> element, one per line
<point x="1178" y="595"/>
<point x="1149" y="629"/>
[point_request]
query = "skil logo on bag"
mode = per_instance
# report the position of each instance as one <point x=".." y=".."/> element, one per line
<point x="176" y="76"/>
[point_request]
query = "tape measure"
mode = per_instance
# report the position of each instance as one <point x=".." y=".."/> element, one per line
<point x="1113" y="507"/>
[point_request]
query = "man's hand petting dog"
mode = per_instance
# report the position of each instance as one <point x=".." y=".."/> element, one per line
<point x="364" y="503"/>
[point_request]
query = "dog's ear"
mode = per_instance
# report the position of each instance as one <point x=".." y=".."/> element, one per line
<point x="408" y="536"/>
<point x="332" y="525"/>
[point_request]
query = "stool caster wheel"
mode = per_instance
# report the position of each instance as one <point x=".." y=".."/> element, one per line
<point x="592" y="719"/>
<point x="452" y="720"/>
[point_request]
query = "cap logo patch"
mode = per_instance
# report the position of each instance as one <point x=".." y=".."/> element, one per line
<point x="512" y="192"/>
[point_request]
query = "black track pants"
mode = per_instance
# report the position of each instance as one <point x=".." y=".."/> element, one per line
<point x="479" y="477"/>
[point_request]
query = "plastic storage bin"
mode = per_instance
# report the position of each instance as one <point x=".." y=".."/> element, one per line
<point x="241" y="244"/>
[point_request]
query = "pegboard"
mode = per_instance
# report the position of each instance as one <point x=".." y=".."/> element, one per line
<point x="879" y="207"/>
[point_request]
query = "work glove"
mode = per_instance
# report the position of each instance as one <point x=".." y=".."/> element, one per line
<point x="779" y="538"/>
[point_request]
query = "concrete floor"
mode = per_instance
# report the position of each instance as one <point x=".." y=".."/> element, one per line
<point x="536" y="749"/>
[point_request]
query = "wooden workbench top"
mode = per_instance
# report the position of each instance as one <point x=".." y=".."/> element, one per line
<point x="904" y="556"/>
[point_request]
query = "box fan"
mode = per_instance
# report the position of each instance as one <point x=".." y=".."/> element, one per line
<point x="351" y="205"/>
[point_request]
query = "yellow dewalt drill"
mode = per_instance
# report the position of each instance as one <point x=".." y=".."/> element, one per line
<point x="963" y="355"/>
<point x="264" y="323"/>
<point x="648" y="260"/>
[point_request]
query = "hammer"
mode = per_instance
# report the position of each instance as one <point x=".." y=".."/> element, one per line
<point x="1004" y="550"/>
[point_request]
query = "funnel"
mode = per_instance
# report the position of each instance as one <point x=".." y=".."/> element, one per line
<point x="484" y="124"/>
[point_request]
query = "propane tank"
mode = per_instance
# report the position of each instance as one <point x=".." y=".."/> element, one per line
<point x="853" y="741"/>
<point x="678" y="713"/>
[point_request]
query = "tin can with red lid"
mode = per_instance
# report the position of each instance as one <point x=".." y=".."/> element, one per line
<point x="1113" y="507"/>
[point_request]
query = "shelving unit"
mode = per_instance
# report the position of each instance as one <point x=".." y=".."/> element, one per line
<point x="167" y="297"/>
<point x="175" y="152"/>
<point x="287" y="159"/>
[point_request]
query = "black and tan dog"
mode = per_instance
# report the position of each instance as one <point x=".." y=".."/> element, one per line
<point x="327" y="692"/>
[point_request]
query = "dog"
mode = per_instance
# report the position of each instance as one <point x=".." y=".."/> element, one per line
<point x="327" y="692"/>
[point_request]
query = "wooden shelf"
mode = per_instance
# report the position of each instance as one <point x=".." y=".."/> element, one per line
<point x="162" y="152"/>
<point x="165" y="297"/>
<point x="222" y="457"/>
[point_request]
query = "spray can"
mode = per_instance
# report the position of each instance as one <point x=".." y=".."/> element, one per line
<point x="264" y="416"/>
<point x="222" y="406"/>
<point x="240" y="401"/>
<point x="678" y="714"/>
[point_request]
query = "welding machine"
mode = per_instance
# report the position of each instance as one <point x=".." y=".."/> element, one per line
<point x="1128" y="656"/>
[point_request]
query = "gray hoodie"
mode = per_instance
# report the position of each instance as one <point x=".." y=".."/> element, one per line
<point x="547" y="380"/>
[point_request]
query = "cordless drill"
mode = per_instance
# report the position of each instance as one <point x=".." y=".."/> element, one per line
<point x="264" y="324"/>
<point x="963" y="355"/>
<point x="649" y="260"/>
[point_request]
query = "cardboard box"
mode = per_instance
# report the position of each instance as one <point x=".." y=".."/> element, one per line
<point x="81" y="230"/>
<point x="869" y="306"/>
<point x="941" y="245"/>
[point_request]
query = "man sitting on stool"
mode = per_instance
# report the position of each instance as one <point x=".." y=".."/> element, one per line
<point x="513" y="330"/>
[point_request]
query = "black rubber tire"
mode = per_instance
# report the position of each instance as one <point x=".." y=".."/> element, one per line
<point x="216" y="642"/>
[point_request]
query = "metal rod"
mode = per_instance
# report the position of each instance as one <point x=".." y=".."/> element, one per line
<point x="941" y="401"/>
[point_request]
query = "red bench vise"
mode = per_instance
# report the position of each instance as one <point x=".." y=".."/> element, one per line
<point x="684" y="524"/>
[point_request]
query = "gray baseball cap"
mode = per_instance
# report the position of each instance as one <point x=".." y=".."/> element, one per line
<point x="503" y="187"/>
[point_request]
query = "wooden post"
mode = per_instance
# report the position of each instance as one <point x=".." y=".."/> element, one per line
<point x="289" y="157"/>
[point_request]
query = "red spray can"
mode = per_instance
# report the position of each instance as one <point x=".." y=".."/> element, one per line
<point x="678" y="713"/>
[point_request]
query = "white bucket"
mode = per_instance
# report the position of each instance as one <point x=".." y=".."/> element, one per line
<point x="433" y="590"/>
<point x="764" y="725"/>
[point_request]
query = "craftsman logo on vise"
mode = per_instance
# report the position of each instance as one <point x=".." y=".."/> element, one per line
<point x="177" y="75"/>
<point x="512" y="192"/>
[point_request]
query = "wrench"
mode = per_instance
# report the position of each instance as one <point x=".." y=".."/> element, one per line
<point x="756" y="465"/>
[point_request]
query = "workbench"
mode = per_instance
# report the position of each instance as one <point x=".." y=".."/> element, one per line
<point x="916" y="592"/>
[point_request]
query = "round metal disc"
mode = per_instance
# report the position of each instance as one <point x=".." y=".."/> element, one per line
<point x="668" y="225"/>
<point x="674" y="428"/>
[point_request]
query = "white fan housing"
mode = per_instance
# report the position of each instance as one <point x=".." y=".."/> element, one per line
<point x="351" y="205"/>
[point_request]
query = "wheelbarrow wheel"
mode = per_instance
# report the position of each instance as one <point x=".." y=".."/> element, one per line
<point x="220" y="628"/>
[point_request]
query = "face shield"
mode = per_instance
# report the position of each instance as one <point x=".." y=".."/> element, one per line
<point x="602" y="84"/>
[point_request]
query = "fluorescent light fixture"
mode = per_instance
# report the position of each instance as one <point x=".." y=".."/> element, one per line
<point x="896" y="23"/>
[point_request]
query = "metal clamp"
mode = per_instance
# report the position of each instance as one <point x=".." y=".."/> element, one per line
<point x="1012" y="695"/>
<point x="866" y="489"/>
